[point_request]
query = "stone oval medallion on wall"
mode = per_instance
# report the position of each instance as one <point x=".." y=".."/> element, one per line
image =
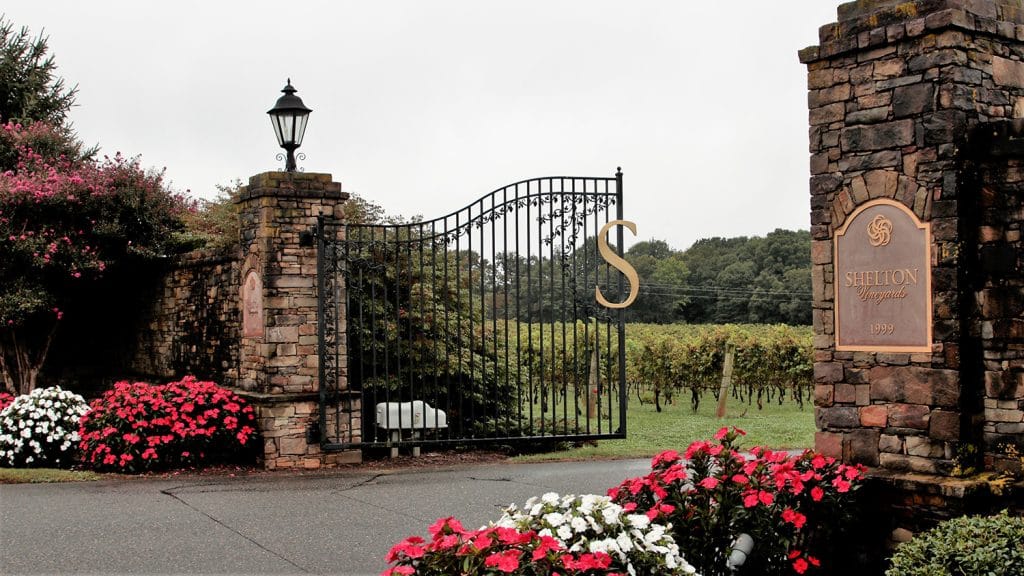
<point x="883" y="297"/>
<point x="252" y="305"/>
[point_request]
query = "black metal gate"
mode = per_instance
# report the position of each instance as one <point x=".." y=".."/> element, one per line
<point x="481" y="325"/>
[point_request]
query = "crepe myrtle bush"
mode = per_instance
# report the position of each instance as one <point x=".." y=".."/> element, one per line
<point x="40" y="429"/>
<point x="64" y="220"/>
<point x="137" y="427"/>
<point x="787" y="504"/>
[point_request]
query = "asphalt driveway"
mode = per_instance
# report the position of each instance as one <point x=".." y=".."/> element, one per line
<point x="340" y="522"/>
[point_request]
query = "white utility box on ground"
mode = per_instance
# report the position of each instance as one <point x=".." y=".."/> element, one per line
<point x="415" y="416"/>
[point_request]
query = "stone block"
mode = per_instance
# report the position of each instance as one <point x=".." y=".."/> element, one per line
<point x="827" y="114"/>
<point x="944" y="425"/>
<point x="906" y="463"/>
<point x="874" y="416"/>
<point x="855" y="162"/>
<point x="1009" y="428"/>
<point x="828" y="372"/>
<point x="286" y="411"/>
<point x="915" y="385"/>
<point x="893" y="359"/>
<point x="1006" y="72"/>
<point x="944" y="126"/>
<point x="868" y="115"/>
<point x="881" y="183"/>
<point x="857" y="375"/>
<point x="913" y="99"/>
<point x="825" y="183"/>
<point x="1003" y="415"/>
<point x="818" y="79"/>
<point x="845" y="394"/>
<point x="861" y="447"/>
<point x="863" y="395"/>
<point x="829" y="444"/>
<point x="839" y="417"/>
<point x="821" y="252"/>
<point x="921" y="446"/>
<point x="877" y="136"/>
<point x="890" y="443"/>
<point x="891" y="68"/>
<point x="293" y="445"/>
<point x="825" y="96"/>
<point x="282" y="334"/>
<point x="341" y="458"/>
<point x="908" y="416"/>
<point x="824" y="395"/>
<point x="284" y="361"/>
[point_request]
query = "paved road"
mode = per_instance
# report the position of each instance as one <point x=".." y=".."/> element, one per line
<point x="329" y="523"/>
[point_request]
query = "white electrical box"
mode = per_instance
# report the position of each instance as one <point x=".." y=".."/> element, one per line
<point x="410" y="415"/>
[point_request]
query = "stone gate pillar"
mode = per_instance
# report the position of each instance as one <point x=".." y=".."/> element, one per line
<point x="279" y="363"/>
<point x="896" y="90"/>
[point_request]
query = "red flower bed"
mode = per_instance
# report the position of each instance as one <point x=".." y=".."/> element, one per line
<point x="137" y="426"/>
<point x="789" y="504"/>
<point x="6" y="399"/>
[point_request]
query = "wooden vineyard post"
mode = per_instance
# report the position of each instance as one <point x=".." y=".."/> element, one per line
<point x="592" y="384"/>
<point x="723" y="393"/>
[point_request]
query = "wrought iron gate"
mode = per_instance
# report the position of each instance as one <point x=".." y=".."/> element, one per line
<point x="481" y="325"/>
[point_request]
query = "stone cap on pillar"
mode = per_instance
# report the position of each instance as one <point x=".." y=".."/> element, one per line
<point x="866" y="24"/>
<point x="292" y="185"/>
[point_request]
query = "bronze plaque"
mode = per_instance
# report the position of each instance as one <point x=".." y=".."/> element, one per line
<point x="883" y="288"/>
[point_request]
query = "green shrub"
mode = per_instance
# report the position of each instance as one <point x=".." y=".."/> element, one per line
<point x="967" y="546"/>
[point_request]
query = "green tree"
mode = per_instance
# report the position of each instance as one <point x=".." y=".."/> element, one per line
<point x="758" y="279"/>
<point x="663" y="283"/>
<point x="30" y="90"/>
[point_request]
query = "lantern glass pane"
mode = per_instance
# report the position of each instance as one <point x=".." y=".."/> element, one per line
<point x="300" y="128"/>
<point x="275" y="122"/>
<point x="287" y="128"/>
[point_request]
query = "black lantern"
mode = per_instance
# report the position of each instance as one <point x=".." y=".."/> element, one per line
<point x="289" y="118"/>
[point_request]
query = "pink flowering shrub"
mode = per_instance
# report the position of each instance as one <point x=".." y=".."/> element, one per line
<point x="787" y="504"/>
<point x="5" y="400"/>
<point x="137" y="426"/>
<point x="64" y="219"/>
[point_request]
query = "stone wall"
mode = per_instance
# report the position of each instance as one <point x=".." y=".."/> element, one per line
<point x="192" y="323"/>
<point x="997" y="284"/>
<point x="153" y="321"/>
<point x="921" y="103"/>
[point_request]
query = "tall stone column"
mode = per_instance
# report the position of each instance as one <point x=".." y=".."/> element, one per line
<point x="279" y="362"/>
<point x="896" y="92"/>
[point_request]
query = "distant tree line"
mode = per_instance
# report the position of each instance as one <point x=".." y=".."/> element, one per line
<point x="757" y="280"/>
<point x="743" y="280"/>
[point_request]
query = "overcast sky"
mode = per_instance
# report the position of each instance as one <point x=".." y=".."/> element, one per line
<point x="424" y="106"/>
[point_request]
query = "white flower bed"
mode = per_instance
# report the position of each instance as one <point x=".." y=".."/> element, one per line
<point x="41" y="428"/>
<point x="591" y="523"/>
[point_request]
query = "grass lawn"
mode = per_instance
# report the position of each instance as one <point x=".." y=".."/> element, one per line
<point x="649" y="432"/>
<point x="44" y="475"/>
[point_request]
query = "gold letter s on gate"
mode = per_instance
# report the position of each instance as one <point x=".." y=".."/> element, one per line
<point x="619" y="264"/>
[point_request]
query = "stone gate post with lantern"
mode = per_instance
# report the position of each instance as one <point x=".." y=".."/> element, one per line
<point x="916" y="112"/>
<point x="278" y="361"/>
